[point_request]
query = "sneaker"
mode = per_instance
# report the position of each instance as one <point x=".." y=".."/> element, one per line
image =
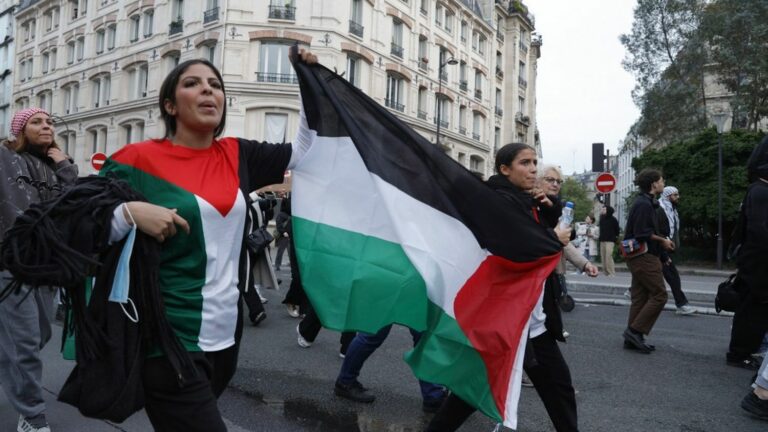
<point x="354" y="392"/>
<point x="264" y="300"/>
<point x="565" y="334"/>
<point x="755" y="406"/>
<point x="293" y="310"/>
<point x="526" y="381"/>
<point x="749" y="363"/>
<point x="300" y="339"/>
<point x="685" y="310"/>
<point x="33" y="424"/>
<point x="627" y="294"/>
<point x="342" y="355"/>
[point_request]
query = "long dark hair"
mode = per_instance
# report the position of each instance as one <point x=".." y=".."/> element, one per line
<point x="508" y="153"/>
<point x="168" y="93"/>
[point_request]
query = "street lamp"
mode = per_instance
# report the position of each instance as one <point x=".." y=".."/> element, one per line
<point x="719" y="118"/>
<point x="450" y="61"/>
<point x="56" y="119"/>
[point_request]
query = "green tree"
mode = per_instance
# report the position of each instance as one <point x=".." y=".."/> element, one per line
<point x="691" y="166"/>
<point x="667" y="58"/>
<point x="576" y="193"/>
<point x="737" y="33"/>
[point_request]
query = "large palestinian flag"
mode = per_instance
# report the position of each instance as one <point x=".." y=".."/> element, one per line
<point x="388" y="229"/>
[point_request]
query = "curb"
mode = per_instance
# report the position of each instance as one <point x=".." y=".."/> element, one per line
<point x="668" y="307"/>
<point x="618" y="290"/>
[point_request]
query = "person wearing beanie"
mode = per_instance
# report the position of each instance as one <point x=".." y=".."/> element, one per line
<point x="669" y="226"/>
<point x="34" y="169"/>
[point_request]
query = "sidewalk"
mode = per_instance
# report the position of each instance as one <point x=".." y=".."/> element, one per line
<point x="699" y="285"/>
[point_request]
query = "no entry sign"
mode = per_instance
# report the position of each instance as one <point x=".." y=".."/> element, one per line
<point x="97" y="160"/>
<point x="605" y="183"/>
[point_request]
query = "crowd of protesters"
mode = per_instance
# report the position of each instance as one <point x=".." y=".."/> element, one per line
<point x="193" y="111"/>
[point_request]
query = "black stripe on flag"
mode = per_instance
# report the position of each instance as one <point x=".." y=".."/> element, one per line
<point x="406" y="160"/>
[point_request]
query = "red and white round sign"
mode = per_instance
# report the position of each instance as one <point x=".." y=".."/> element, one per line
<point x="97" y="160"/>
<point x="605" y="183"/>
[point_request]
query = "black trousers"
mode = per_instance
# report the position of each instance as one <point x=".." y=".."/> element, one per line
<point x="673" y="279"/>
<point x="296" y="295"/>
<point x="551" y="378"/>
<point x="193" y="407"/>
<point x="750" y="323"/>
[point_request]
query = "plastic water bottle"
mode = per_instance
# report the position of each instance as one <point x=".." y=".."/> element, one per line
<point x="566" y="219"/>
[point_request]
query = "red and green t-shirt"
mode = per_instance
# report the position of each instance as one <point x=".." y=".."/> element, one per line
<point x="198" y="273"/>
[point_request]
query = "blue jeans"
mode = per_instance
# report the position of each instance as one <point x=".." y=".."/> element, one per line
<point x="363" y="345"/>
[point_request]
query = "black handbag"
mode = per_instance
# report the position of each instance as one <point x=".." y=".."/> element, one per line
<point x="730" y="294"/>
<point x="258" y="240"/>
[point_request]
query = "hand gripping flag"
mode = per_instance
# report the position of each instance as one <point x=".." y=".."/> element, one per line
<point x="388" y="229"/>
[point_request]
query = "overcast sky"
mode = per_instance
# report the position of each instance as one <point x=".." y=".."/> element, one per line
<point x="583" y="93"/>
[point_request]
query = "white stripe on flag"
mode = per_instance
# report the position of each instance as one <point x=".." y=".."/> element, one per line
<point x="332" y="186"/>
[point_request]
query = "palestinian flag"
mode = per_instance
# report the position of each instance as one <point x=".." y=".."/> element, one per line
<point x="388" y="229"/>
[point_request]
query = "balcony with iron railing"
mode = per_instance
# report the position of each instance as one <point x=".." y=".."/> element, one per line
<point x="463" y="85"/>
<point x="462" y="130"/>
<point x="423" y="64"/>
<point x="269" y="77"/>
<point x="478" y="94"/>
<point x="522" y="82"/>
<point x="500" y="36"/>
<point x="423" y="11"/>
<point x="356" y="28"/>
<point x="211" y="15"/>
<point x="499" y="111"/>
<point x="175" y="27"/>
<point x="442" y="123"/>
<point x="394" y="105"/>
<point x="499" y="72"/>
<point x="282" y="12"/>
<point x="475" y="136"/>
<point x="524" y="119"/>
<point x="397" y="50"/>
<point x="523" y="46"/>
<point x="422" y="114"/>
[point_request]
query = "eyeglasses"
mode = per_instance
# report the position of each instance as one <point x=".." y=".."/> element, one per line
<point x="552" y="180"/>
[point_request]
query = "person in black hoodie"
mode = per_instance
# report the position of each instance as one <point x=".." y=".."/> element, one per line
<point x="515" y="179"/>
<point x="751" y="319"/>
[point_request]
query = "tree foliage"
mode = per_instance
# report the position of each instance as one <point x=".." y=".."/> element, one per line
<point x="575" y="192"/>
<point x="737" y="33"/>
<point x="691" y="166"/>
<point x="666" y="56"/>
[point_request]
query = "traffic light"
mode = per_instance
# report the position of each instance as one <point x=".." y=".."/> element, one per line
<point x="598" y="157"/>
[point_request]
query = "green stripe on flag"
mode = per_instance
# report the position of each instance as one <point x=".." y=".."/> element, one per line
<point x="359" y="282"/>
<point x="445" y="348"/>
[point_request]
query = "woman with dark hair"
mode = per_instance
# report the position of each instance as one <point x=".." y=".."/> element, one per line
<point x="33" y="169"/>
<point x="515" y="179"/>
<point x="196" y="181"/>
<point x="750" y="321"/>
<point x="648" y="292"/>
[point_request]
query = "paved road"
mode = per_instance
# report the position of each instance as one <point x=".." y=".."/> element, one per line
<point x="684" y="386"/>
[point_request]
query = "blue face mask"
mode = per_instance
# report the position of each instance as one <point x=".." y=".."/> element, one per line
<point x="122" y="279"/>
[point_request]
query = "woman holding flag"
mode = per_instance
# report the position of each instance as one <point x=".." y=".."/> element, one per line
<point x="516" y="168"/>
